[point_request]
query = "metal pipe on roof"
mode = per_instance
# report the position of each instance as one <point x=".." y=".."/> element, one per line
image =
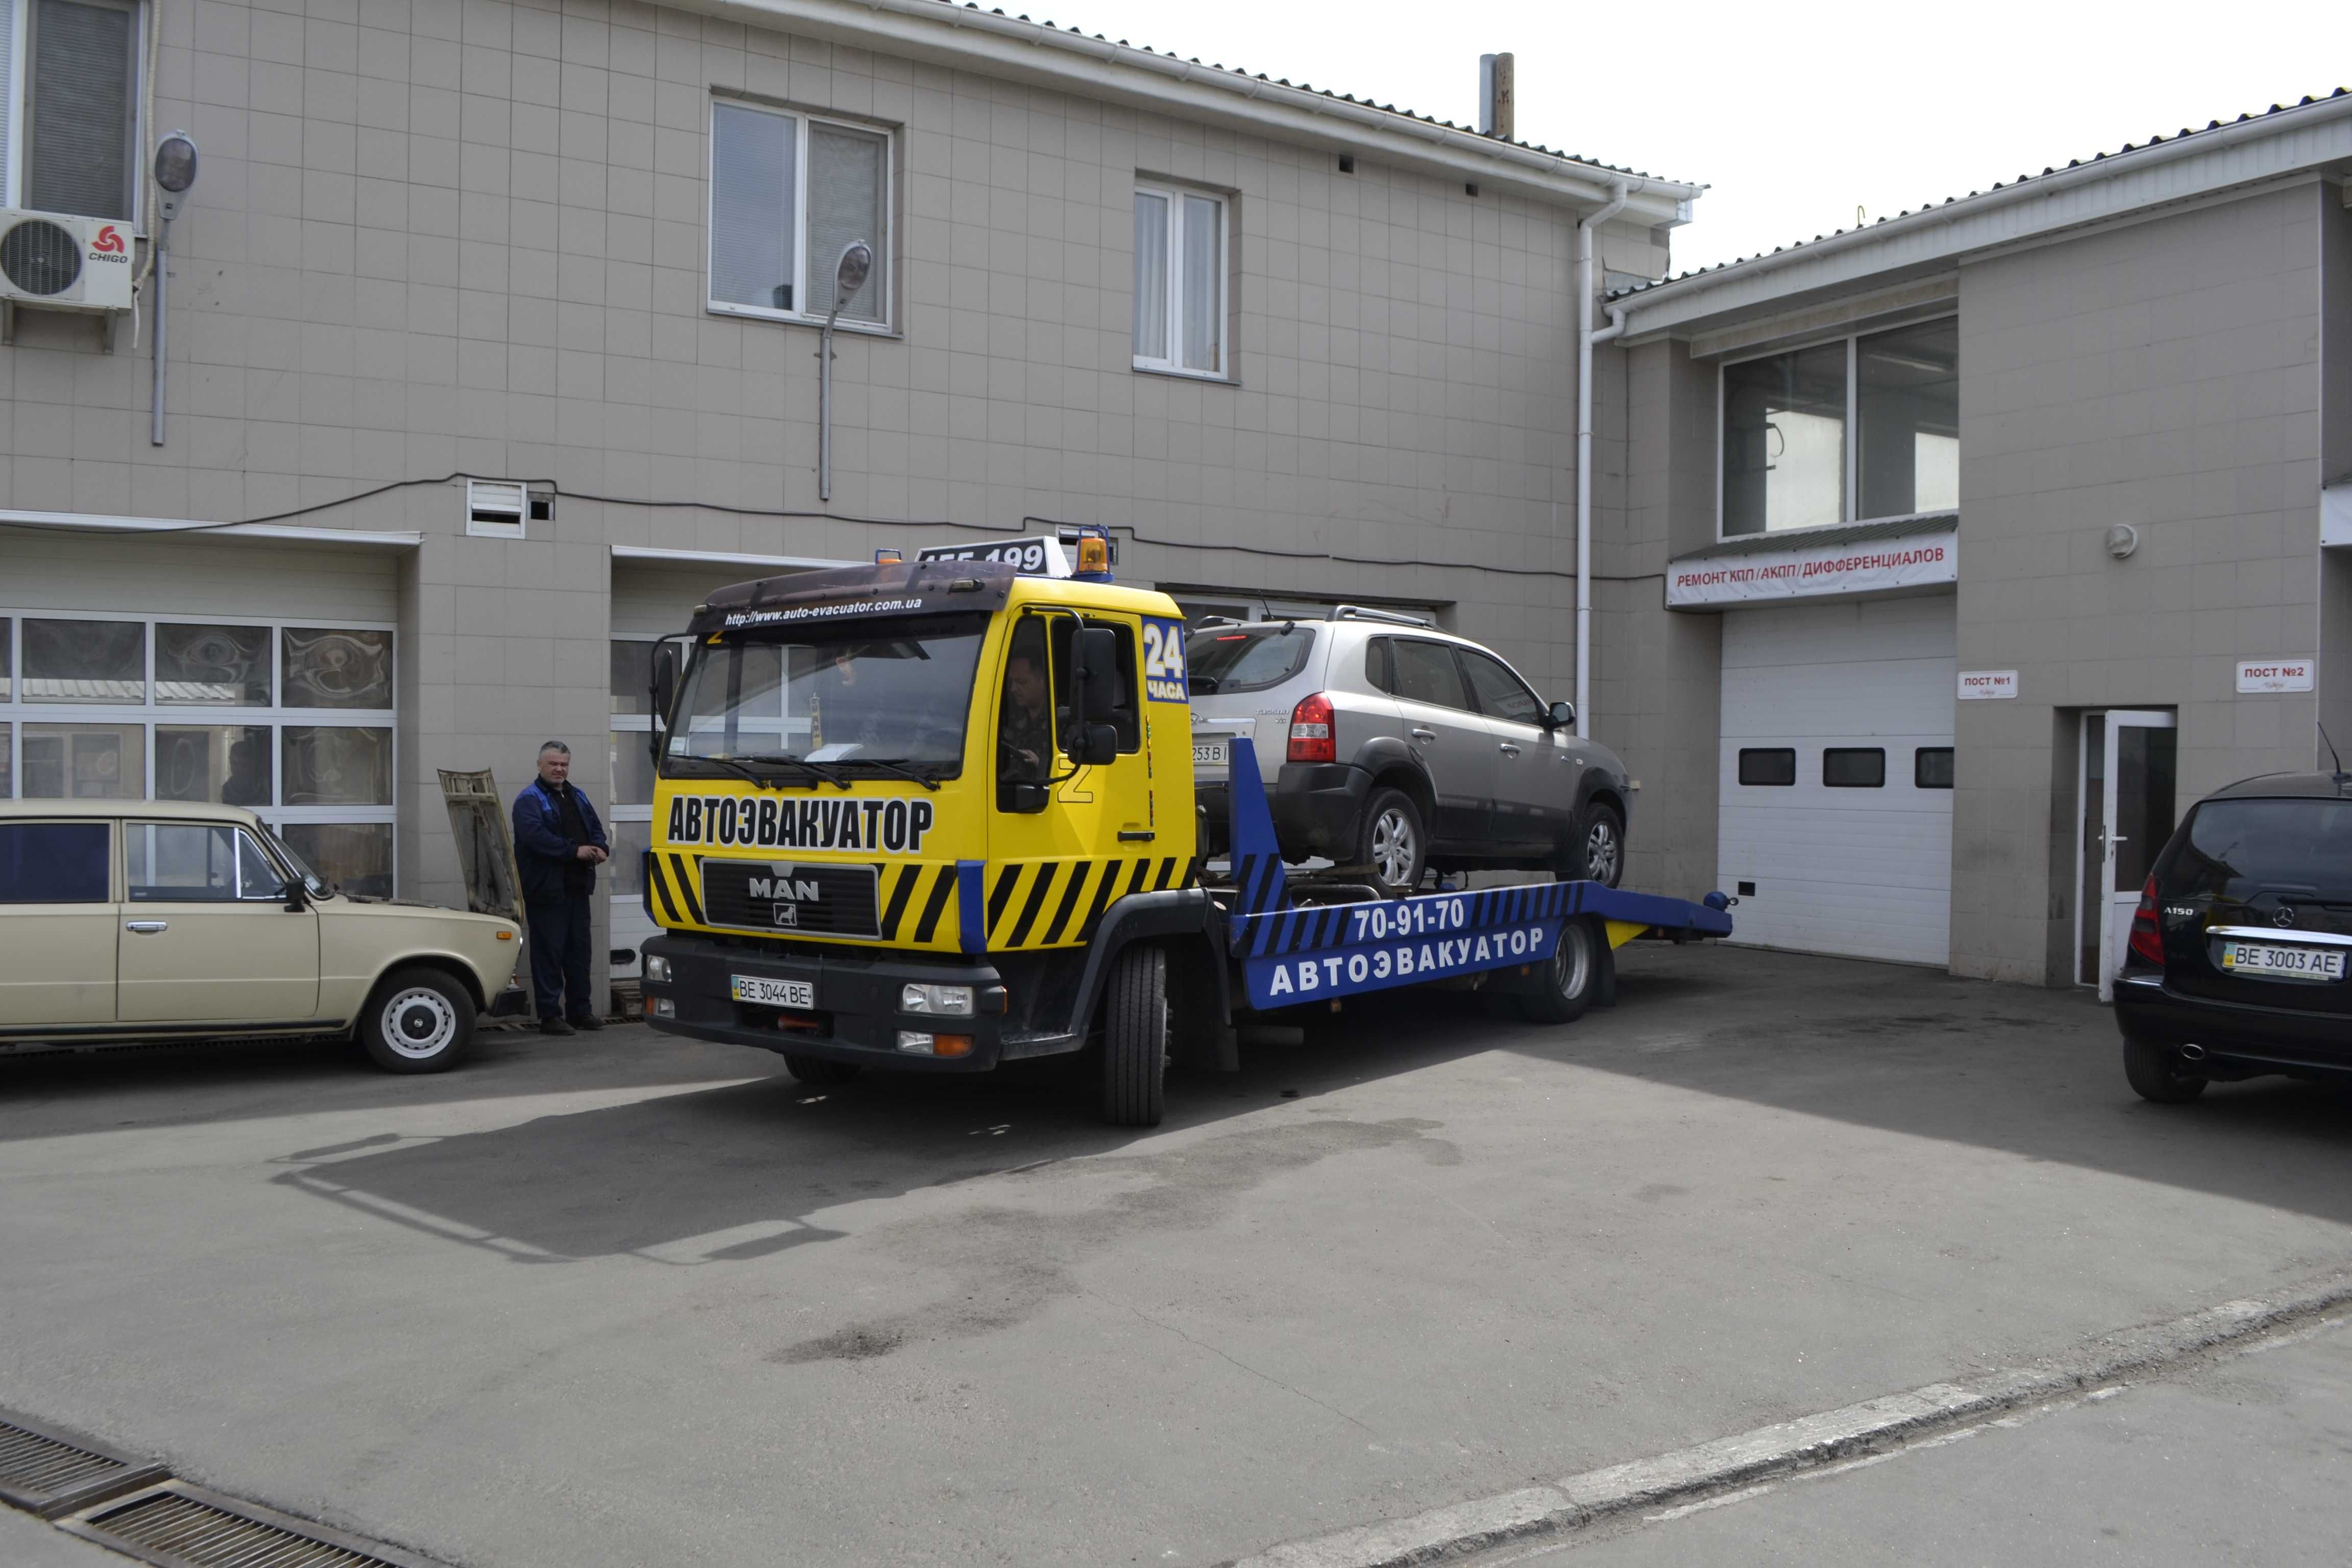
<point x="1620" y="191"/>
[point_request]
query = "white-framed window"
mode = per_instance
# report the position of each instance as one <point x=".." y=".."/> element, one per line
<point x="1852" y="429"/>
<point x="294" y="721"/>
<point x="71" y="141"/>
<point x="1180" y="238"/>
<point x="789" y="193"/>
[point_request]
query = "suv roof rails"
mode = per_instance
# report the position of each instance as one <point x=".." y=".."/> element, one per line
<point x="1218" y="621"/>
<point x="1360" y="613"/>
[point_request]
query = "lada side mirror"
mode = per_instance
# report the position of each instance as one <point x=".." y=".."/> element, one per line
<point x="1561" y="717"/>
<point x="296" y="896"/>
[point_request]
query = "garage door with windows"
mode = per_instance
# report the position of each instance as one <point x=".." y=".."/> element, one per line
<point x="1835" y="824"/>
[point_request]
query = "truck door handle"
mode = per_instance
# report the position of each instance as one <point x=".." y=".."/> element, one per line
<point x="145" y="928"/>
<point x="1429" y="735"/>
<point x="1510" y="750"/>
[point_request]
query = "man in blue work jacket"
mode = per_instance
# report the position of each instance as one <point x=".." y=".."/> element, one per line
<point x="558" y="844"/>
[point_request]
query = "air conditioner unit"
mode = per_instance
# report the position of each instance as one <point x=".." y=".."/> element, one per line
<point x="73" y="263"/>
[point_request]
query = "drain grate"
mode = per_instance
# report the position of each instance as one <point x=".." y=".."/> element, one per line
<point x="49" y="1471"/>
<point x="177" y="1525"/>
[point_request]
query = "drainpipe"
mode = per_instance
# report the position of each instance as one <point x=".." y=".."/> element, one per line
<point x="1618" y="193"/>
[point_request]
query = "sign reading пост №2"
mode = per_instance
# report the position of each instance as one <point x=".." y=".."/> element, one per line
<point x="2273" y="675"/>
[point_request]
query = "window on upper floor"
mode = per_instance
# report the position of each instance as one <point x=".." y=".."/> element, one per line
<point x="71" y="142"/>
<point x="1858" y="428"/>
<point x="789" y="194"/>
<point x="1180" y="280"/>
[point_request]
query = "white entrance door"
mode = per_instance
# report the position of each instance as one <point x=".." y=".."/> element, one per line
<point x="2128" y="770"/>
<point x="1835" y="830"/>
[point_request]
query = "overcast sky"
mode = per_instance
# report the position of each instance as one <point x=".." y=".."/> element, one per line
<point x="1795" y="115"/>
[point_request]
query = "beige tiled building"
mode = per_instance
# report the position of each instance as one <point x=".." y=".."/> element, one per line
<point x="1296" y="348"/>
<point x="1990" y="535"/>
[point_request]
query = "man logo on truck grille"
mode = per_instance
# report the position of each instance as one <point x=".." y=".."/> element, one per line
<point x="791" y="887"/>
<point x="894" y="825"/>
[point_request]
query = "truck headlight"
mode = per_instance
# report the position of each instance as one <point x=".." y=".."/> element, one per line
<point x="944" y="1001"/>
<point x="656" y="969"/>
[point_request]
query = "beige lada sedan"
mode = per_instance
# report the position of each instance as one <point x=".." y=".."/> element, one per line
<point x="150" y="920"/>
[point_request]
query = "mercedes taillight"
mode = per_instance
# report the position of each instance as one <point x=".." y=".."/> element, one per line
<point x="2147" y="940"/>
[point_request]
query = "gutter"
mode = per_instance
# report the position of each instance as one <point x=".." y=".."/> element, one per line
<point x="1074" y="62"/>
<point x="1620" y="191"/>
<point x="2107" y="166"/>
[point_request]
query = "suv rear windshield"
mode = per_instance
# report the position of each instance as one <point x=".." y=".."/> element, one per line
<point x="1245" y="659"/>
<point x="2236" y="849"/>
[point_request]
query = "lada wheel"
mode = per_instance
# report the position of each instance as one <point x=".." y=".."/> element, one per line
<point x="419" y="1020"/>
<point x="1135" y="1039"/>
<point x="1563" y="988"/>
<point x="1392" y="839"/>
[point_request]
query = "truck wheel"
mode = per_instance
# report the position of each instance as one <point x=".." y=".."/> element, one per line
<point x="2156" y="1073"/>
<point x="1563" y="988"/>
<point x="1390" y="839"/>
<point x="419" y="1020"/>
<point x="818" y="1073"/>
<point x="1135" y="1039"/>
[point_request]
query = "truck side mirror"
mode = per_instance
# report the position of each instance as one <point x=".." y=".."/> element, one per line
<point x="665" y="692"/>
<point x="1096" y="659"/>
<point x="1561" y="717"/>
<point x="1097" y="746"/>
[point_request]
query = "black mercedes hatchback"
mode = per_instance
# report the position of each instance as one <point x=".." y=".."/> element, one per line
<point x="2242" y="940"/>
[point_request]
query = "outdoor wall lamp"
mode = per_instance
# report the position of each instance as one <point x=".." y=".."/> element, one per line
<point x="174" y="168"/>
<point x="848" y="277"/>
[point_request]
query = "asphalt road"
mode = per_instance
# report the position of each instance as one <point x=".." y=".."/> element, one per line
<point x="2247" y="1460"/>
<point x="628" y="1298"/>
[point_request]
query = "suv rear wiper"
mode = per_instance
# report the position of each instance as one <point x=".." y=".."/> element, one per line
<point x="928" y="781"/>
<point x="818" y="769"/>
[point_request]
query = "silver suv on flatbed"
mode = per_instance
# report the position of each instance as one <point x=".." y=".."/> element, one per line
<point x="1384" y="743"/>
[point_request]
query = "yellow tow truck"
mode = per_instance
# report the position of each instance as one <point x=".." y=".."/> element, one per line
<point x="939" y="815"/>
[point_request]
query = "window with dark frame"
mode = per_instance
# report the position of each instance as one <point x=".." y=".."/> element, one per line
<point x="1854" y="767"/>
<point x="1768" y="765"/>
<point x="1931" y="768"/>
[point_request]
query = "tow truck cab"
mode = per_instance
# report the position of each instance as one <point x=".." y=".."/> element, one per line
<point x="912" y="814"/>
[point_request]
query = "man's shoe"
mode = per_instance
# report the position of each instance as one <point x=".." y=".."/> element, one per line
<point x="554" y="1026"/>
<point x="587" y="1021"/>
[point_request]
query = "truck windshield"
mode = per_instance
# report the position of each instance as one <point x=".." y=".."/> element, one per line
<point x="869" y="699"/>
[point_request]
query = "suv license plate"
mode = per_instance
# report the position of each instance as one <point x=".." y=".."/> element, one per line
<point x="772" y="993"/>
<point x="1209" y="754"/>
<point x="2274" y="963"/>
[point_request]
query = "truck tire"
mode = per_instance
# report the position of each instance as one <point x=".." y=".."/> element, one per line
<point x="1391" y="838"/>
<point x="419" y="1020"/>
<point x="2155" y="1072"/>
<point x="1564" y="986"/>
<point x="1135" y="1038"/>
<point x="818" y="1073"/>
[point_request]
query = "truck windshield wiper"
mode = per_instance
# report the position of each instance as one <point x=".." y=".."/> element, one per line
<point x="819" y="770"/>
<point x="887" y="765"/>
<point x="732" y="763"/>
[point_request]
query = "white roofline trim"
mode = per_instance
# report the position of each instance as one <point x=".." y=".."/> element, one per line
<point x="657" y="555"/>
<point x="987" y="41"/>
<point x="2243" y="152"/>
<point x="283" y="532"/>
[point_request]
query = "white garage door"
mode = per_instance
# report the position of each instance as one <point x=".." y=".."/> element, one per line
<point x="1841" y="839"/>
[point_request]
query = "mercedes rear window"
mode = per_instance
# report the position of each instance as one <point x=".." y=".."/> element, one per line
<point x="2236" y="849"/>
<point x="1245" y="659"/>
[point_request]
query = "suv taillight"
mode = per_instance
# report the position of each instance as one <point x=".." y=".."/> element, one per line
<point x="2147" y="940"/>
<point x="1310" y="730"/>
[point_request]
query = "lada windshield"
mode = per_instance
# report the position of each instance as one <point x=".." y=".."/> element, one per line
<point x="879" y="698"/>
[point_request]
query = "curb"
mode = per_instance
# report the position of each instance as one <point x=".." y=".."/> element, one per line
<point x="1788" y="1447"/>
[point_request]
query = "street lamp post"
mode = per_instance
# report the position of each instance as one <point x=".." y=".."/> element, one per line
<point x="176" y="171"/>
<point x="848" y="277"/>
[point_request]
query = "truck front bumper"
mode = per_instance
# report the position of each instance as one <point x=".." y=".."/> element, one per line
<point x="855" y="1017"/>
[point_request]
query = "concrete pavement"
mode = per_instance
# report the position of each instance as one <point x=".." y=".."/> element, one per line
<point x="629" y="1299"/>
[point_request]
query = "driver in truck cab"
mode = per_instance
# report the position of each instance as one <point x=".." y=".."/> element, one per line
<point x="1025" y="733"/>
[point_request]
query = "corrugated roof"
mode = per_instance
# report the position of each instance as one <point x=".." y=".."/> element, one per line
<point x="2183" y="133"/>
<point x="1842" y="534"/>
<point x="1241" y="74"/>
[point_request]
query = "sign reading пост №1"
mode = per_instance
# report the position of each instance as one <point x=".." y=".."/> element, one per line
<point x="1976" y="685"/>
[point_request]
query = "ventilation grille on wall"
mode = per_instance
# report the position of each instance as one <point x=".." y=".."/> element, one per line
<point x="501" y="508"/>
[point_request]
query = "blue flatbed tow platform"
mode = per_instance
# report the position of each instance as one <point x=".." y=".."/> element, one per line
<point x="1290" y="952"/>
